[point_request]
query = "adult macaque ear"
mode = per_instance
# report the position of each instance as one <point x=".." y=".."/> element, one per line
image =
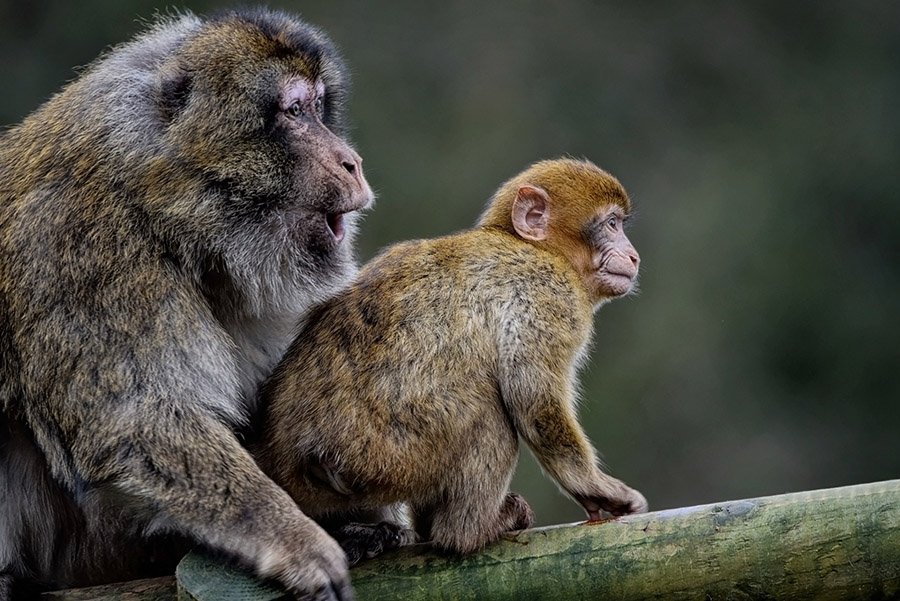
<point x="531" y="213"/>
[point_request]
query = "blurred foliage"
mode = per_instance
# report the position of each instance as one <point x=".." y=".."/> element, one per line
<point x="760" y="142"/>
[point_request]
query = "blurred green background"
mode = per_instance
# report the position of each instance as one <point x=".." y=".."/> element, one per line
<point x="760" y="142"/>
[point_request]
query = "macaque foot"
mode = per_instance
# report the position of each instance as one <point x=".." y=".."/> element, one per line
<point x="625" y="501"/>
<point x="630" y="502"/>
<point x="361" y="541"/>
<point x="516" y="513"/>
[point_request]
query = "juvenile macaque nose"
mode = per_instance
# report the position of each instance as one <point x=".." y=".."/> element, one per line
<point x="635" y="258"/>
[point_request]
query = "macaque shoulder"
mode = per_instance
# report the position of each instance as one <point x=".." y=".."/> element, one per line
<point x="490" y="268"/>
<point x="478" y="255"/>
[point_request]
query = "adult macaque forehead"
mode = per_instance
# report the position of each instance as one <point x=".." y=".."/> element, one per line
<point x="307" y="67"/>
<point x="303" y="89"/>
<point x="279" y="47"/>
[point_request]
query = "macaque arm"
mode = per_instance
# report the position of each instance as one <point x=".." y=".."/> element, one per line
<point x="211" y="490"/>
<point x="537" y="385"/>
<point x="162" y="441"/>
<point x="190" y="468"/>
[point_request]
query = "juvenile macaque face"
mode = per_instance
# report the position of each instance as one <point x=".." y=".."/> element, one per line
<point x="574" y="210"/>
<point x="614" y="261"/>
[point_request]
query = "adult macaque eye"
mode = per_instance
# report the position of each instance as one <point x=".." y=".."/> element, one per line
<point x="295" y="110"/>
<point x="612" y="222"/>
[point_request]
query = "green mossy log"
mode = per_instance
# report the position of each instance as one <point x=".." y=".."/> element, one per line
<point x="840" y="543"/>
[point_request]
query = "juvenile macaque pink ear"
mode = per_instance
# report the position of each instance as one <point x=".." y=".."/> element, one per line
<point x="531" y="213"/>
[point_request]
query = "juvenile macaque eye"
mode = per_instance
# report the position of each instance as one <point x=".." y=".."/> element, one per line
<point x="295" y="110"/>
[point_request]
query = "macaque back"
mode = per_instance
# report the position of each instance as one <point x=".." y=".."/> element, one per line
<point x="414" y="383"/>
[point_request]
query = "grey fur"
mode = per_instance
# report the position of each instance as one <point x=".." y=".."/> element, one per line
<point x="144" y="292"/>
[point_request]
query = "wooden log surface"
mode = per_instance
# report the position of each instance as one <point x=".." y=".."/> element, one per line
<point x="840" y="543"/>
<point x="150" y="589"/>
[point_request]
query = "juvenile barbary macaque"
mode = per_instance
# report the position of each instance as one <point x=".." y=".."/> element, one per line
<point x="413" y="384"/>
<point x="164" y="219"/>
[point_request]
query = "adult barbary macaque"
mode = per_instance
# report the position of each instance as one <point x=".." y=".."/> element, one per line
<point x="164" y="220"/>
<point x="413" y="384"/>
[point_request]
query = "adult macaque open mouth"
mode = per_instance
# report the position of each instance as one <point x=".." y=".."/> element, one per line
<point x="335" y="223"/>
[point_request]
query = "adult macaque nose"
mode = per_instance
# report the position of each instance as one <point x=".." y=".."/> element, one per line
<point x="352" y="162"/>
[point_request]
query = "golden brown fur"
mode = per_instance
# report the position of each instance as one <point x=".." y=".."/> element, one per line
<point x="413" y="384"/>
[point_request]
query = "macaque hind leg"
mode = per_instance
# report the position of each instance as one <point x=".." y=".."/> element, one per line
<point x="515" y="513"/>
<point x="467" y="523"/>
<point x="478" y="507"/>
